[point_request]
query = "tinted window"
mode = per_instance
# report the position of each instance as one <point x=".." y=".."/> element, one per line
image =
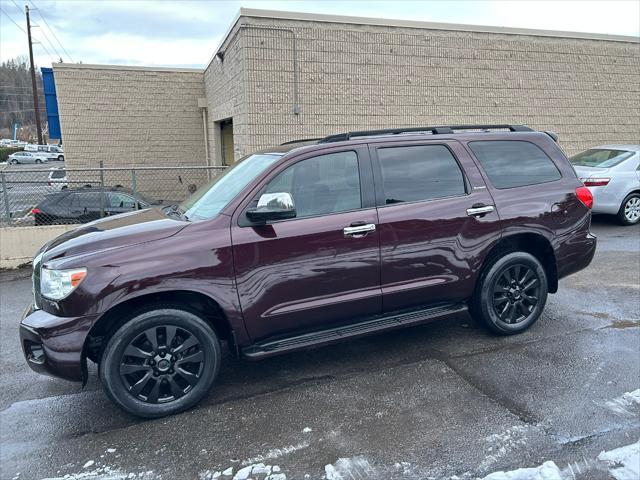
<point x="121" y="200"/>
<point x="320" y="185"/>
<point x="510" y="163"/>
<point x="422" y="172"/>
<point x="601" y="158"/>
<point x="58" y="174"/>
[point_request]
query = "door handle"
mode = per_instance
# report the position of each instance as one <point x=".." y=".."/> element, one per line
<point x="480" y="210"/>
<point x="359" y="230"/>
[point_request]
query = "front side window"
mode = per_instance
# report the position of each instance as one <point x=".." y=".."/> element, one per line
<point x="120" y="200"/>
<point x="321" y="185"/>
<point x="209" y="200"/>
<point x="600" y="158"/>
<point x="514" y="163"/>
<point x="420" y="172"/>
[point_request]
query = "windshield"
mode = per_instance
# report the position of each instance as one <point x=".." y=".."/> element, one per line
<point x="209" y="200"/>
<point x="604" y="158"/>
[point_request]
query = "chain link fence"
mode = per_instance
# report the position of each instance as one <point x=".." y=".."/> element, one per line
<point x="59" y="195"/>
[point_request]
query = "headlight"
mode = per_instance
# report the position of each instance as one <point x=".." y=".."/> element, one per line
<point x="57" y="284"/>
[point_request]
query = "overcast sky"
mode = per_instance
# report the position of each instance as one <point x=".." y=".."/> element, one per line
<point x="186" y="33"/>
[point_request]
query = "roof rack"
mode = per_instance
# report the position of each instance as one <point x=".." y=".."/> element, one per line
<point x="447" y="129"/>
<point x="302" y="140"/>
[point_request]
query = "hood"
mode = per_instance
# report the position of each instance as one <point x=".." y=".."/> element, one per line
<point x="113" y="232"/>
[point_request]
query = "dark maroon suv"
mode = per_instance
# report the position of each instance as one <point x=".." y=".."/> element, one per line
<point x="298" y="246"/>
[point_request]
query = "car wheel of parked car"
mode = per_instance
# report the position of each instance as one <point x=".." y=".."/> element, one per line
<point x="38" y="160"/>
<point x="629" y="213"/>
<point x="13" y="162"/>
<point x="511" y="293"/>
<point x="61" y="158"/>
<point x="160" y="362"/>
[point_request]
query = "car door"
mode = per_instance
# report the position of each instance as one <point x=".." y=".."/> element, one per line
<point x="436" y="221"/>
<point x="89" y="206"/>
<point x="321" y="268"/>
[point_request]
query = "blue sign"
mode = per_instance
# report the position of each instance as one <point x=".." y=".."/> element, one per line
<point x="51" y="102"/>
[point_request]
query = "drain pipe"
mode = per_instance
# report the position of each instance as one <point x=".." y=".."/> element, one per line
<point x="202" y="103"/>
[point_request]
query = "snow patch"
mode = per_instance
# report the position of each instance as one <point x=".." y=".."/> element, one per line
<point x="348" y="469"/>
<point x="623" y="462"/>
<point x="106" y="473"/>
<point x="88" y="464"/>
<point x="621" y="405"/>
<point x="275" y="453"/>
<point x="546" y="471"/>
<point x="500" y="445"/>
<point x="306" y="430"/>
<point x="258" y="471"/>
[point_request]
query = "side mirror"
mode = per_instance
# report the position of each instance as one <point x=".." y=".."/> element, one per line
<point x="273" y="206"/>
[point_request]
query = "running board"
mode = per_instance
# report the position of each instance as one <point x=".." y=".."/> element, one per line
<point x="269" y="347"/>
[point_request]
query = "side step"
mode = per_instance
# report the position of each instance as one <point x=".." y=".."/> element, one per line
<point x="269" y="347"/>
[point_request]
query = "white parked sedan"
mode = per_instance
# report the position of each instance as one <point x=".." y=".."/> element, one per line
<point x="612" y="173"/>
<point x="27" y="157"/>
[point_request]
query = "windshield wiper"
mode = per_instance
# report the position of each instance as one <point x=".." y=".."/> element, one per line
<point x="176" y="211"/>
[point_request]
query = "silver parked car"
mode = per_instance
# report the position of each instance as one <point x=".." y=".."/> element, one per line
<point x="612" y="173"/>
<point x="27" y="157"/>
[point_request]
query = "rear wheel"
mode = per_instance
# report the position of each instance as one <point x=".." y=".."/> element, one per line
<point x="160" y="362"/>
<point x="511" y="293"/>
<point x="629" y="213"/>
<point x="13" y="162"/>
<point x="61" y="158"/>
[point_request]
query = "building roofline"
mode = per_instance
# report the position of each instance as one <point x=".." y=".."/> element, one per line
<point x="90" y="66"/>
<point x="384" y="22"/>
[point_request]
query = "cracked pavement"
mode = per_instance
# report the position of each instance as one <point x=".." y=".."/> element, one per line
<point x="435" y="401"/>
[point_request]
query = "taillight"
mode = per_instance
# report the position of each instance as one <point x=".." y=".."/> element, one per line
<point x="585" y="196"/>
<point x="595" y="182"/>
<point x="35" y="210"/>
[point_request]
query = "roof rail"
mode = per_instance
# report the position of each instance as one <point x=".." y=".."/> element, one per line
<point x="446" y="129"/>
<point x="302" y="140"/>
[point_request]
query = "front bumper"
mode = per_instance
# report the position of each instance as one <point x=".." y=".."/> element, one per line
<point x="54" y="345"/>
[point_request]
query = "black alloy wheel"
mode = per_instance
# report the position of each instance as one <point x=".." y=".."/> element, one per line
<point x="162" y="364"/>
<point x="160" y="361"/>
<point x="516" y="293"/>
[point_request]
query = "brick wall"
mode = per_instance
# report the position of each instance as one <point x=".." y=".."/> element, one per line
<point x="128" y="115"/>
<point x="370" y="76"/>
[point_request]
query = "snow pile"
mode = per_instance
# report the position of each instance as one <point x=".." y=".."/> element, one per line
<point x="275" y="453"/>
<point x="623" y="404"/>
<point x="623" y="462"/>
<point x="546" y="471"/>
<point x="348" y="469"/>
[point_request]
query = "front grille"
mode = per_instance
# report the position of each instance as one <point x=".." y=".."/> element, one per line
<point x="37" y="262"/>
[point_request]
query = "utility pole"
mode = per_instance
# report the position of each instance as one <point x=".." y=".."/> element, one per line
<point x="36" y="104"/>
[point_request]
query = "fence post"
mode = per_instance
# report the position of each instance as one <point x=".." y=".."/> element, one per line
<point x="102" y="191"/>
<point x="134" y="187"/>
<point x="5" y="197"/>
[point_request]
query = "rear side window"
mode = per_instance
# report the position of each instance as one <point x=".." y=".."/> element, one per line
<point x="58" y="174"/>
<point x="512" y="163"/>
<point x="421" y="172"/>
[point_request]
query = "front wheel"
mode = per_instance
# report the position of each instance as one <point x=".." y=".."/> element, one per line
<point x="160" y="362"/>
<point x="38" y="160"/>
<point x="629" y="213"/>
<point x="60" y="158"/>
<point x="511" y="293"/>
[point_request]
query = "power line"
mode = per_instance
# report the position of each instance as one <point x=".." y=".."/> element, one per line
<point x="51" y="30"/>
<point x="14" y="22"/>
<point x="38" y="42"/>
<point x="47" y="38"/>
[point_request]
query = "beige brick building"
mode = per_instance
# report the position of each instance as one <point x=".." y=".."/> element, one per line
<point x="279" y="76"/>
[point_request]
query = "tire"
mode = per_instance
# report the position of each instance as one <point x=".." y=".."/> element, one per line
<point x="505" y="307"/>
<point x="61" y="158"/>
<point x="629" y="213"/>
<point x="155" y="386"/>
<point x="38" y="160"/>
<point x="13" y="162"/>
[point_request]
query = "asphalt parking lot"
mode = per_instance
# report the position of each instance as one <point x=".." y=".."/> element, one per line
<point x="445" y="400"/>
